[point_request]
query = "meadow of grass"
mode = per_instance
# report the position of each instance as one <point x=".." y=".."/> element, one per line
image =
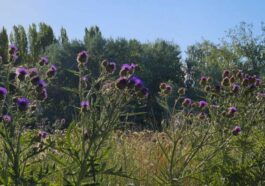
<point x="217" y="140"/>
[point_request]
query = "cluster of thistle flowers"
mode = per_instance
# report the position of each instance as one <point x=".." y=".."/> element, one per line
<point x="198" y="107"/>
<point x="165" y="89"/>
<point x="126" y="81"/>
<point x="233" y="82"/>
<point x="23" y="77"/>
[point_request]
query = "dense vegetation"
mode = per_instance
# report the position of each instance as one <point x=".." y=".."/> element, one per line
<point x="117" y="111"/>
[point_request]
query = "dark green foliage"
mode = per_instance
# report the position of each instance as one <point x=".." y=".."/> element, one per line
<point x="4" y="45"/>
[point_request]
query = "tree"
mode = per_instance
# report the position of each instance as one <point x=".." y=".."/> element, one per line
<point x="4" y="45"/>
<point x="45" y="36"/>
<point x="63" y="37"/>
<point x="248" y="47"/>
<point x="33" y="38"/>
<point x="94" y="42"/>
<point x="22" y="42"/>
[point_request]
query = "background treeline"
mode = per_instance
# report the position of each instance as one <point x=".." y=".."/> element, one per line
<point x="160" y="61"/>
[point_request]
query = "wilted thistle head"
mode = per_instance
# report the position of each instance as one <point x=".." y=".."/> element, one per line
<point x="231" y="111"/>
<point x="42" y="94"/>
<point x="182" y="91"/>
<point x="203" y="104"/>
<point x="104" y="63"/>
<point x="203" y="80"/>
<point x="226" y="73"/>
<point x="111" y="67"/>
<point x="235" y="88"/>
<point x="202" y="115"/>
<point x="84" y="106"/>
<point x="225" y="82"/>
<point x="82" y="57"/>
<point x="252" y="79"/>
<point x="21" y="73"/>
<point x="232" y="79"/>
<point x="3" y="93"/>
<point x="35" y="80"/>
<point x="245" y="82"/>
<point x="236" y="130"/>
<point x="1" y="59"/>
<point x="163" y="86"/>
<point x="43" y="61"/>
<point x="217" y="88"/>
<point x="186" y="102"/>
<point x="52" y="71"/>
<point x="23" y="104"/>
<point x="6" y="118"/>
<point x="207" y="88"/>
<point x="239" y="74"/>
<point x="121" y="83"/>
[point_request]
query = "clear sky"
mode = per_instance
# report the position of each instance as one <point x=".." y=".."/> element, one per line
<point x="181" y="21"/>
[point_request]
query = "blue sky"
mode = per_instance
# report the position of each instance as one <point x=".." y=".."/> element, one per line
<point x="181" y="21"/>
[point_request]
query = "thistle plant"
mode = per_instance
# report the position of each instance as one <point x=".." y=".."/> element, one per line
<point x="22" y="91"/>
<point x="103" y="103"/>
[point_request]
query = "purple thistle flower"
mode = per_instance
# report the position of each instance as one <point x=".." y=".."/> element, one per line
<point x="13" y="49"/>
<point x="203" y="80"/>
<point x="138" y="83"/>
<point x="82" y="57"/>
<point x="121" y="83"/>
<point x="6" y="118"/>
<point x="23" y="104"/>
<point x="131" y="81"/>
<point x="126" y="68"/>
<point x="232" y="110"/>
<point x="186" y="102"/>
<point x="21" y="73"/>
<point x="33" y="72"/>
<point x="236" y="130"/>
<point x="235" y="88"/>
<point x="258" y="82"/>
<point x="3" y="93"/>
<point x="144" y="92"/>
<point x="43" y="134"/>
<point x="84" y="106"/>
<point x="41" y="85"/>
<point x="168" y="89"/>
<point x="52" y="71"/>
<point x="44" y="61"/>
<point x="203" y="104"/>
